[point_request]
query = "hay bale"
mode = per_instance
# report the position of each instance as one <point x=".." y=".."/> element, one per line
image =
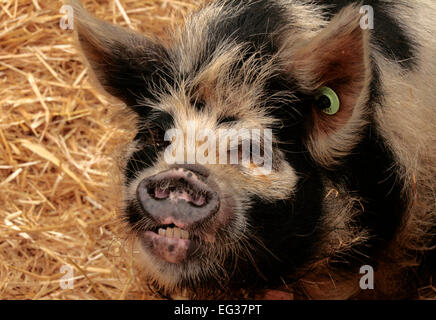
<point x="57" y="207"/>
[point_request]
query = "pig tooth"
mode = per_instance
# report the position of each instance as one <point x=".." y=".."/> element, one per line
<point x="177" y="233"/>
<point x="184" y="234"/>
<point x="170" y="232"/>
<point x="162" y="232"/>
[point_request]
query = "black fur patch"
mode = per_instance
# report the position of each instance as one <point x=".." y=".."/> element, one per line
<point x="150" y="138"/>
<point x="370" y="172"/>
<point x="133" y="215"/>
<point x="388" y="34"/>
<point x="139" y="161"/>
<point x="290" y="229"/>
<point x="199" y="105"/>
<point x="255" y="25"/>
<point x="376" y="86"/>
<point x="227" y="119"/>
<point x="131" y="74"/>
<point x="161" y="120"/>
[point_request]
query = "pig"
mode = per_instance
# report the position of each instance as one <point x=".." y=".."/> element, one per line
<point x="348" y="94"/>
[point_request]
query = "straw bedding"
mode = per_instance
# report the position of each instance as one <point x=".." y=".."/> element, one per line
<point x="57" y="138"/>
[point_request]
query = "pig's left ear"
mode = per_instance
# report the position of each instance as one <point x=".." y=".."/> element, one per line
<point x="119" y="59"/>
<point x="333" y="67"/>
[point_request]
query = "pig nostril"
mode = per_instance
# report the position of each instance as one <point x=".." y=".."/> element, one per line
<point x="199" y="200"/>
<point x="158" y="193"/>
<point x="161" y="194"/>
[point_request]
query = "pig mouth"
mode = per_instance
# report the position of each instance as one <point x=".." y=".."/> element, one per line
<point x="170" y="243"/>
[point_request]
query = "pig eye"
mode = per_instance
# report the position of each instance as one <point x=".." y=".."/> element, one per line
<point x="156" y="138"/>
<point x="159" y="141"/>
<point x="327" y="101"/>
<point x="227" y="119"/>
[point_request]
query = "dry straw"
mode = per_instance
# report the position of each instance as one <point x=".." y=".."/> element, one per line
<point x="57" y="137"/>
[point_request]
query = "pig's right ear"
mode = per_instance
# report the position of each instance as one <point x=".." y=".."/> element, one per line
<point x="118" y="58"/>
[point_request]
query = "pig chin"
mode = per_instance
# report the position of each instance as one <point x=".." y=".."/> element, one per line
<point x="172" y="250"/>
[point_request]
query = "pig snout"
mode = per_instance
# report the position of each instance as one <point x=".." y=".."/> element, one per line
<point x="179" y="196"/>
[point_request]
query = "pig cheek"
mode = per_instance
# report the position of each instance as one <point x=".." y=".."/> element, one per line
<point x="223" y="218"/>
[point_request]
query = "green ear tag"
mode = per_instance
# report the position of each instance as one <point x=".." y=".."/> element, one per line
<point x="327" y="100"/>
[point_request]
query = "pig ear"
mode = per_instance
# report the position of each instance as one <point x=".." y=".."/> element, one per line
<point x="118" y="58"/>
<point x="337" y="58"/>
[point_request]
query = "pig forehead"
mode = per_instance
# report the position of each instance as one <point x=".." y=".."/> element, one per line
<point x="217" y="62"/>
<point x="221" y="68"/>
<point x="218" y="89"/>
<point x="222" y="26"/>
